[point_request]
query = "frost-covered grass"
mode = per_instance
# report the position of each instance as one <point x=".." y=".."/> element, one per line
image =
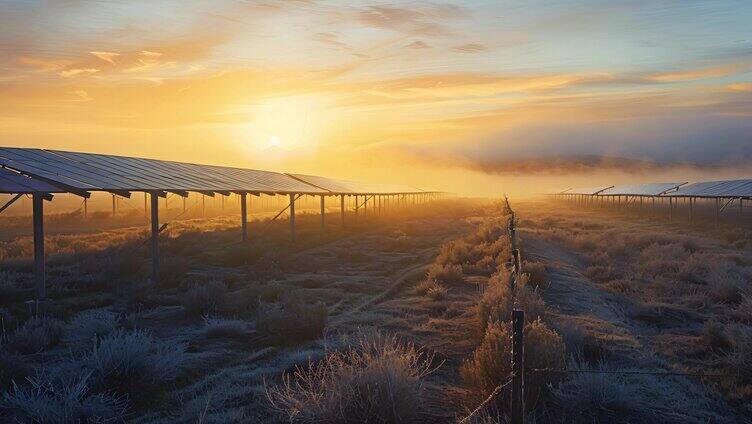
<point x="125" y="361"/>
<point x="45" y="399"/>
<point x="377" y="380"/>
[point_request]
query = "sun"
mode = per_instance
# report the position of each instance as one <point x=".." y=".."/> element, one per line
<point x="273" y="141"/>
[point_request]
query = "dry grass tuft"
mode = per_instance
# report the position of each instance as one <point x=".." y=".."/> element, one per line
<point x="379" y="380"/>
<point x="447" y="274"/>
<point x="431" y="289"/>
<point x="292" y="322"/>
<point x="536" y="272"/>
<point x="497" y="301"/>
<point x="37" y="334"/>
<point x="204" y="298"/>
<point x="490" y="364"/>
<point x="91" y="324"/>
<point x="44" y="399"/>
<point x="127" y="361"/>
<point x="589" y="397"/>
<point x="223" y="328"/>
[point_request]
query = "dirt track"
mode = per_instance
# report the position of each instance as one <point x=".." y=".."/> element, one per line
<point x="574" y="300"/>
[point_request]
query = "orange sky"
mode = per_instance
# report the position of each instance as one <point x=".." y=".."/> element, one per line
<point x="423" y="93"/>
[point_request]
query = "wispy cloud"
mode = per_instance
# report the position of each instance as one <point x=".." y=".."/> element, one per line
<point x="470" y="48"/>
<point x="426" y="20"/>
<point x="108" y="57"/>
<point x="77" y="72"/>
<point x="418" y="44"/>
<point x="696" y="74"/>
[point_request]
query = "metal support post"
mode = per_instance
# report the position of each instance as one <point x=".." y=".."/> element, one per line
<point x="244" y="215"/>
<point x="154" y="237"/>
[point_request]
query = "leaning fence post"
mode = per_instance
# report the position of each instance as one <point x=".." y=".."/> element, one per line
<point x="518" y="367"/>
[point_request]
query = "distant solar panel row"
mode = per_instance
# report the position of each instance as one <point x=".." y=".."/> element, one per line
<point x="54" y="171"/>
<point x="710" y="189"/>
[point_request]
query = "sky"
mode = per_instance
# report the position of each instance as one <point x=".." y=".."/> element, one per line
<point x="475" y="97"/>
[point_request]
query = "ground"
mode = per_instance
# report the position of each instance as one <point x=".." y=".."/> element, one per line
<point x="232" y="331"/>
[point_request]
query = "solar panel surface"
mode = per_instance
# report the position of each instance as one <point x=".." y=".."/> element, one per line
<point x="725" y="188"/>
<point x="651" y="189"/>
<point x="97" y="172"/>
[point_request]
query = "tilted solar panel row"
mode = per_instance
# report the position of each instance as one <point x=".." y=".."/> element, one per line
<point x="60" y="171"/>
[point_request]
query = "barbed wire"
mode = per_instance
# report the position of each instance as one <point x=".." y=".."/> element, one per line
<point x="634" y="372"/>
<point x="493" y="394"/>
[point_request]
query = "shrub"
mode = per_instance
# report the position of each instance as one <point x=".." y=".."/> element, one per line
<point x="431" y="289"/>
<point x="724" y="284"/>
<point x="497" y="301"/>
<point x="128" y="360"/>
<point x="37" y="334"/>
<point x="601" y="273"/>
<point x="588" y="397"/>
<point x="490" y="364"/>
<point x="47" y="400"/>
<point x="202" y="299"/>
<point x="495" y="305"/>
<point x="92" y="324"/>
<point x="447" y="274"/>
<point x="528" y="299"/>
<point x="217" y="327"/>
<point x="455" y="252"/>
<point x="437" y="292"/>
<point x="662" y="259"/>
<point x="379" y="380"/>
<point x="244" y="300"/>
<point x="292" y="322"/>
<point x="536" y="272"/>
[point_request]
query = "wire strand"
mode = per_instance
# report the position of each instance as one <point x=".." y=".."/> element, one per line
<point x="493" y="394"/>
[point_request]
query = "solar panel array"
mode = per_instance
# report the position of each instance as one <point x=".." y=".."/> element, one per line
<point x="728" y="188"/>
<point x="353" y="187"/>
<point x="709" y="189"/>
<point x="653" y="189"/>
<point x="53" y="171"/>
<point x="589" y="191"/>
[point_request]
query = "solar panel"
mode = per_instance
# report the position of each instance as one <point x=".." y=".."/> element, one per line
<point x="353" y="187"/>
<point x="726" y="188"/>
<point x="651" y="189"/>
<point x="590" y="191"/>
<point x="97" y="172"/>
<point x="15" y="183"/>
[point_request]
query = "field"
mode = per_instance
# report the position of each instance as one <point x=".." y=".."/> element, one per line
<point x="398" y="318"/>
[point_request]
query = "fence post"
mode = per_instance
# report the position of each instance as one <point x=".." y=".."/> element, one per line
<point x="518" y="367"/>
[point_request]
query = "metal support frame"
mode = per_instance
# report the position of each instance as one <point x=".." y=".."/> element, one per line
<point x="342" y="208"/>
<point x="323" y="212"/>
<point x="39" y="272"/>
<point x="12" y="201"/>
<point x="244" y="216"/>
<point x="154" y="237"/>
<point x="292" y="217"/>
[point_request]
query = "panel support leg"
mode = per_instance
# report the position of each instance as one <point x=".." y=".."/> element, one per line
<point x="39" y="273"/>
<point x="154" y="237"/>
<point x="244" y="216"/>
<point x="323" y="214"/>
<point x="342" y="208"/>
<point x="292" y="217"/>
